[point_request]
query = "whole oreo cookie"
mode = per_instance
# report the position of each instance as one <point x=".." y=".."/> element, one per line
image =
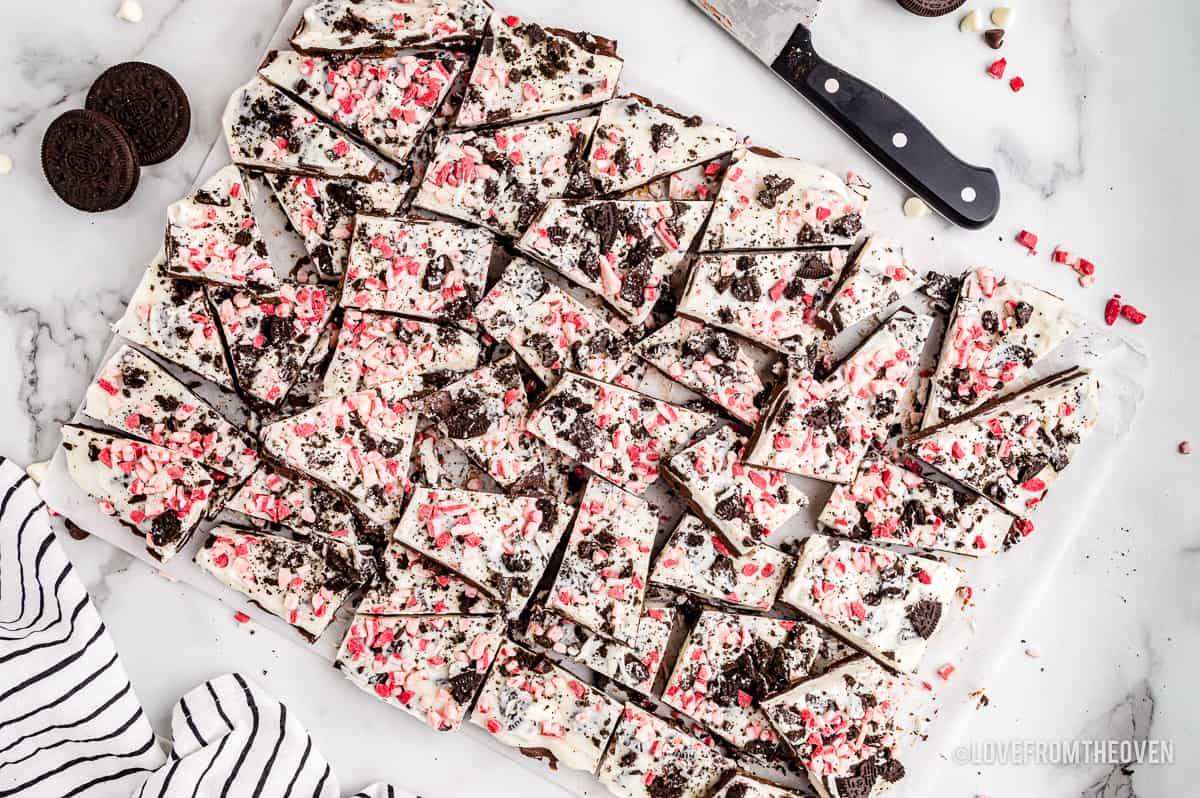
<point x="931" y="8"/>
<point x="148" y="103"/>
<point x="90" y="161"/>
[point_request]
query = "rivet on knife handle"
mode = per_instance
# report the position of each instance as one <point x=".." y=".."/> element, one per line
<point x="967" y="195"/>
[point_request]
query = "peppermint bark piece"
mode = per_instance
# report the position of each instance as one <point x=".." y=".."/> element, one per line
<point x="696" y="560"/>
<point x="1013" y="448"/>
<point x="772" y="299"/>
<point x="551" y="330"/>
<point x="484" y="414"/>
<point x="439" y="463"/>
<point x="885" y="603"/>
<point x="637" y="666"/>
<point x="380" y="26"/>
<point x="374" y="348"/>
<point x="322" y="210"/>
<point x="615" y="432"/>
<point x="172" y="319"/>
<point x="770" y="202"/>
<point x="526" y="71"/>
<point x="546" y="712"/>
<point x="265" y="129"/>
<point x="999" y="329"/>
<point x="212" y="235"/>
<point x="302" y="582"/>
<point x="730" y="663"/>
<point x="384" y="102"/>
<point x="887" y="502"/>
<point x="299" y="504"/>
<point x="743" y="503"/>
<point x="499" y="179"/>
<point x="637" y="141"/>
<point x="822" y="429"/>
<point x="623" y="250"/>
<point x="499" y="543"/>
<point x="707" y="361"/>
<point x="430" y="666"/>
<point x="814" y="718"/>
<point x="160" y="495"/>
<point x="136" y="395"/>
<point x="700" y="182"/>
<point x="745" y="785"/>
<point x="601" y="583"/>
<point x="356" y="444"/>
<point x="270" y="338"/>
<point x="649" y="758"/>
<point x="878" y="276"/>
<point x="412" y="584"/>
<point x="431" y="270"/>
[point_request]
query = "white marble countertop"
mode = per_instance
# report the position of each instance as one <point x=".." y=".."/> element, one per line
<point x="1095" y="154"/>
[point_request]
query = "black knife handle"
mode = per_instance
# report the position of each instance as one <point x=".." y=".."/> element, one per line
<point x="967" y="195"/>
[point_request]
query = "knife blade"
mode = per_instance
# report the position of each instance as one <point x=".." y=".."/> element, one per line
<point x="779" y="33"/>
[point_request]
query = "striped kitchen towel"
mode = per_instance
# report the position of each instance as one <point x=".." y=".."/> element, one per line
<point x="70" y="724"/>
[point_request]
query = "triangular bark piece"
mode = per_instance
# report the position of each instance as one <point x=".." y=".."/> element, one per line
<point x="270" y="337"/>
<point x="265" y="129"/>
<point x="744" y="503"/>
<point x="878" y="276"/>
<point x="137" y="396"/>
<point x="822" y="429"/>
<point x="322" y="211"/>
<point x="525" y="71"/>
<point x="212" y="235"/>
<point x="358" y="445"/>
<point x="386" y="103"/>
<point x="160" y="495"/>
<point x="383" y="26"/>
<point x="499" y="543"/>
<point x="500" y="178"/>
<point x="886" y="603"/>
<point x="624" y="250"/>
<point x="172" y="318"/>
<point x="637" y="142"/>
<point x="1012" y="449"/>
<point x="770" y="202"/>
<point x="302" y="582"/>
<point x="430" y="666"/>
<point x="998" y="331"/>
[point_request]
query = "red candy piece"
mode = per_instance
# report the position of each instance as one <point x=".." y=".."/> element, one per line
<point x="1028" y="240"/>
<point x="1112" y="310"/>
<point x="241" y="617"/>
<point x="1016" y="84"/>
<point x="996" y="70"/>
<point x="1061" y="256"/>
<point x="1086" y="267"/>
<point x="1133" y="314"/>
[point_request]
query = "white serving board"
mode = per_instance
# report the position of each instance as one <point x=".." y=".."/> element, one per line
<point x="1006" y="587"/>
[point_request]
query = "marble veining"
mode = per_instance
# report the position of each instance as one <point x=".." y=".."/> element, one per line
<point x="1095" y="154"/>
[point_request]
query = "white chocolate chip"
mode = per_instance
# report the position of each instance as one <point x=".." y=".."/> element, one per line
<point x="130" y="11"/>
<point x="914" y="207"/>
<point x="1002" y="16"/>
<point x="5" y="164"/>
<point x="972" y="22"/>
<point x="37" y="471"/>
<point x="1032" y="653"/>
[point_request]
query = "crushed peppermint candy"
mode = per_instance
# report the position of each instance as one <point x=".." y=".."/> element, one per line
<point x="1016" y="84"/>
<point x="1185" y="447"/>
<point x="1028" y="240"/>
<point x="996" y="70"/>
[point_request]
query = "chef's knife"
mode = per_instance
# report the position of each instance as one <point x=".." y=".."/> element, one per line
<point x="779" y="33"/>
